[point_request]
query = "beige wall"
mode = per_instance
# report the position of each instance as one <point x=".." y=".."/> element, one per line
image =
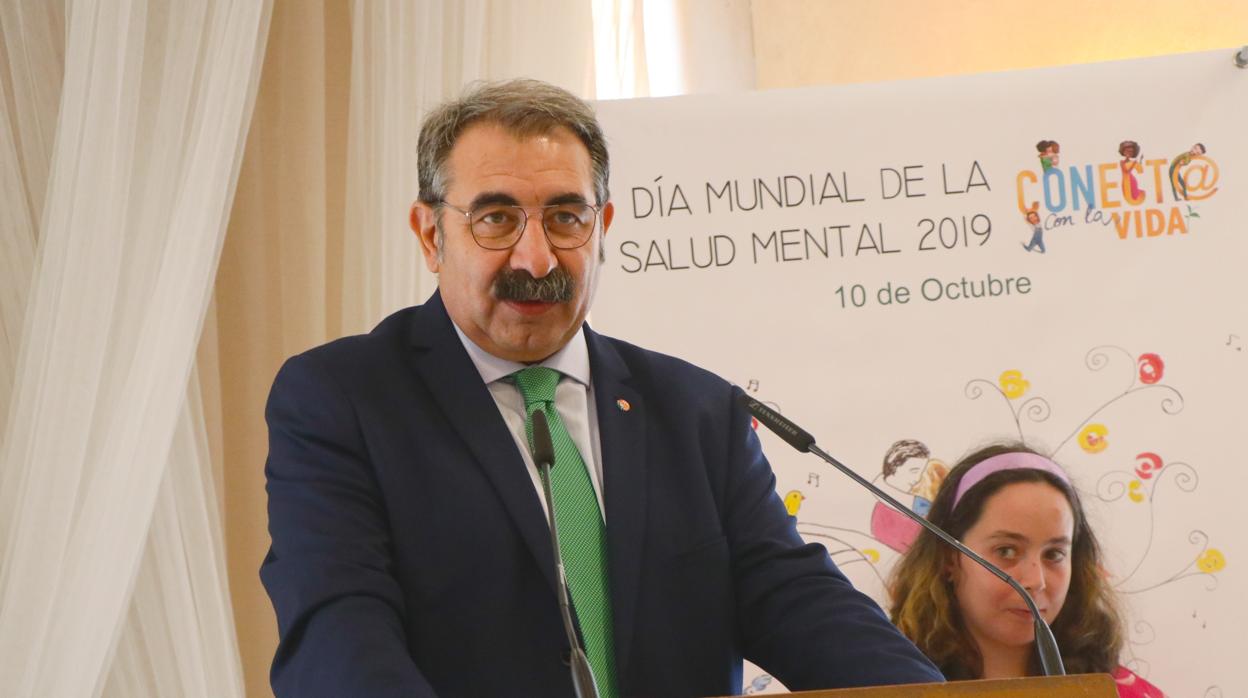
<point x="824" y="42"/>
<point x="279" y="282"/>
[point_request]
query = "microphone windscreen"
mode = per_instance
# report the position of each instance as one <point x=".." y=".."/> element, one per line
<point x="543" y="447"/>
<point x="794" y="435"/>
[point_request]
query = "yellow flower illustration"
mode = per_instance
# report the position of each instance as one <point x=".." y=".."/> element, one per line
<point x="1013" y="384"/>
<point x="1211" y="561"/>
<point x="1092" y="438"/>
<point x="1133" y="491"/>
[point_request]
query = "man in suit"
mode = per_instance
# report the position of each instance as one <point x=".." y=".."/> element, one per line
<point x="411" y="554"/>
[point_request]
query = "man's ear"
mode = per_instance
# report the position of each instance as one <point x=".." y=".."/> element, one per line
<point x="423" y="219"/>
<point x="608" y="214"/>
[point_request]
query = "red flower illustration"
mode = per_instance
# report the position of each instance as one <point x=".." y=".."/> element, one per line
<point x="1151" y="368"/>
<point x="1146" y="464"/>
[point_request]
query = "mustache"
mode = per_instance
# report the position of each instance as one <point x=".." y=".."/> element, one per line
<point x="520" y="285"/>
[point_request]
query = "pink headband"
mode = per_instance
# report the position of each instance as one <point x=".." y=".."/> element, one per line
<point x="1006" y="461"/>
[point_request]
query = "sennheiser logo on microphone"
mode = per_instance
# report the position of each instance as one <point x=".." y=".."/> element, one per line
<point x="758" y="408"/>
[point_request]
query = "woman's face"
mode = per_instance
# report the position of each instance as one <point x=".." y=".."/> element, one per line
<point x="1026" y="530"/>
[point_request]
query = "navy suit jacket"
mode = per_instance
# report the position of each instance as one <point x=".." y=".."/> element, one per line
<point x="411" y="557"/>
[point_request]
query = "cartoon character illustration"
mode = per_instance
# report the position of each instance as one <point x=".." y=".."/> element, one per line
<point x="1177" y="183"/>
<point x="1131" y="163"/>
<point x="904" y="465"/>
<point x="933" y="474"/>
<point x="1048" y="152"/>
<point x="1037" y="232"/>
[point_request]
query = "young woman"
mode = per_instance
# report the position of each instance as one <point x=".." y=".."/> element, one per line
<point x="1018" y="510"/>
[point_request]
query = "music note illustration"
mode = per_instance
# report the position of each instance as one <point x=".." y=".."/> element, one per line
<point x="752" y="386"/>
<point x="813" y="479"/>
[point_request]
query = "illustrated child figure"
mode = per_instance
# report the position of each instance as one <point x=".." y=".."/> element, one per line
<point x="1037" y="232"/>
<point x="1130" y="164"/>
<point x="925" y="492"/>
<point x="904" y="463"/>
<point x="1177" y="183"/>
<point x="1048" y="154"/>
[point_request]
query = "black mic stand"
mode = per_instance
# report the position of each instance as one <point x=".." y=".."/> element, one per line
<point x="800" y="439"/>
<point x="544" y="457"/>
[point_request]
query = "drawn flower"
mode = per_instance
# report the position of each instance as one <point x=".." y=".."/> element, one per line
<point x="1092" y="438"/>
<point x="1134" y="491"/>
<point x="1151" y="368"/>
<point x="1147" y="463"/>
<point x="1013" y="384"/>
<point x="1211" y="561"/>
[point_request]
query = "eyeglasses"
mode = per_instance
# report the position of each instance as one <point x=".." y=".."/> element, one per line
<point x="499" y="226"/>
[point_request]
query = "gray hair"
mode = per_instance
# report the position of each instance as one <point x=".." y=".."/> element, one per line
<point x="523" y="107"/>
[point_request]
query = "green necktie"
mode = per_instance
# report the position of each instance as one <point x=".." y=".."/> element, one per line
<point x="582" y="533"/>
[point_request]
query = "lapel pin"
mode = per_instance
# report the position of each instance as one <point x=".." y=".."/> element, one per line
<point x="623" y="405"/>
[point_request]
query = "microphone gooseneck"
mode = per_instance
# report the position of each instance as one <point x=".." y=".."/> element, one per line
<point x="800" y="439"/>
<point x="543" y="445"/>
<point x="544" y="458"/>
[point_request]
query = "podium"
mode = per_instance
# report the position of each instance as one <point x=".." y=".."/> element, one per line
<point x="1079" y="686"/>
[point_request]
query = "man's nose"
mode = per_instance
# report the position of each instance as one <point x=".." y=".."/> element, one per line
<point x="533" y="252"/>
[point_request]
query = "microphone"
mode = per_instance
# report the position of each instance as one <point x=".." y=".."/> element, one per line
<point x="800" y="439"/>
<point x="544" y="457"/>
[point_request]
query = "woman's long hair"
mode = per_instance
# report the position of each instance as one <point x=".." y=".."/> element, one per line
<point x="925" y="607"/>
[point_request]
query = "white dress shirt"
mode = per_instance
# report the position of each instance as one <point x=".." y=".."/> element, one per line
<point x="574" y="399"/>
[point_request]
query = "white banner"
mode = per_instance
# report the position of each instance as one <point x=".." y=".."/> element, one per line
<point x="863" y="258"/>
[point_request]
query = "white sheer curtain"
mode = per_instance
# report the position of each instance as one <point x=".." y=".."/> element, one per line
<point x="31" y="65"/>
<point x="100" y="433"/>
<point x="17" y="254"/>
<point x="178" y="638"/>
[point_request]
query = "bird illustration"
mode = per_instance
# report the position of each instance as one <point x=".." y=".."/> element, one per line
<point x="793" y="502"/>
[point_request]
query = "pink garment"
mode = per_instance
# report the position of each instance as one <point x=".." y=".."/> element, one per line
<point x="1132" y="686"/>
<point x="1130" y="187"/>
<point x="893" y="529"/>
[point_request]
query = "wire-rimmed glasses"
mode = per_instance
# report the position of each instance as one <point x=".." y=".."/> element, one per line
<point x="499" y="226"/>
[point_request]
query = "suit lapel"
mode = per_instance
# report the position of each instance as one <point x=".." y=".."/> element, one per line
<point x="622" y="431"/>
<point x="456" y="386"/>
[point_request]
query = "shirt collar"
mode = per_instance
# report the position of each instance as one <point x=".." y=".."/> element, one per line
<point x="572" y="360"/>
